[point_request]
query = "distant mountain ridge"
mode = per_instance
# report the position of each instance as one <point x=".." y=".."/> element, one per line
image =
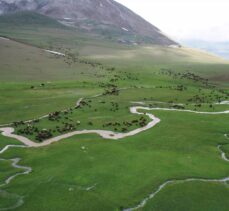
<point x="104" y="17"/>
<point x="218" y="48"/>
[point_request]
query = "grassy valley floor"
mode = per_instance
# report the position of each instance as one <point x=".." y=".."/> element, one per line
<point x="87" y="172"/>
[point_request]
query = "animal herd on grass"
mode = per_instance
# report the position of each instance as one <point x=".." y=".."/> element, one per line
<point x="64" y="121"/>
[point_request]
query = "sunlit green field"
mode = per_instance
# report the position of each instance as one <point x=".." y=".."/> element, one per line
<point x="62" y="172"/>
<point x="86" y="172"/>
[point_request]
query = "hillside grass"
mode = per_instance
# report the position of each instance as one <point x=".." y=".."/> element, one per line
<point x="86" y="172"/>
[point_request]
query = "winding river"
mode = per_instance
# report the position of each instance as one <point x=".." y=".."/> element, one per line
<point x="27" y="143"/>
<point x="162" y="186"/>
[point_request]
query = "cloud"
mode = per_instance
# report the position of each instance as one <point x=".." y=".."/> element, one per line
<point x="185" y="19"/>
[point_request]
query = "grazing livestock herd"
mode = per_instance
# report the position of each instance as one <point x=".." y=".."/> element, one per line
<point x="60" y="122"/>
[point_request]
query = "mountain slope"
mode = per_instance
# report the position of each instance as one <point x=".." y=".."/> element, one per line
<point x="26" y="18"/>
<point x="103" y="17"/>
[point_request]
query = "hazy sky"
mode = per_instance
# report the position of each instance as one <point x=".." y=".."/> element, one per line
<point x="186" y="19"/>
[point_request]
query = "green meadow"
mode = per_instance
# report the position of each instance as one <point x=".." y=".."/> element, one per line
<point x="87" y="172"/>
